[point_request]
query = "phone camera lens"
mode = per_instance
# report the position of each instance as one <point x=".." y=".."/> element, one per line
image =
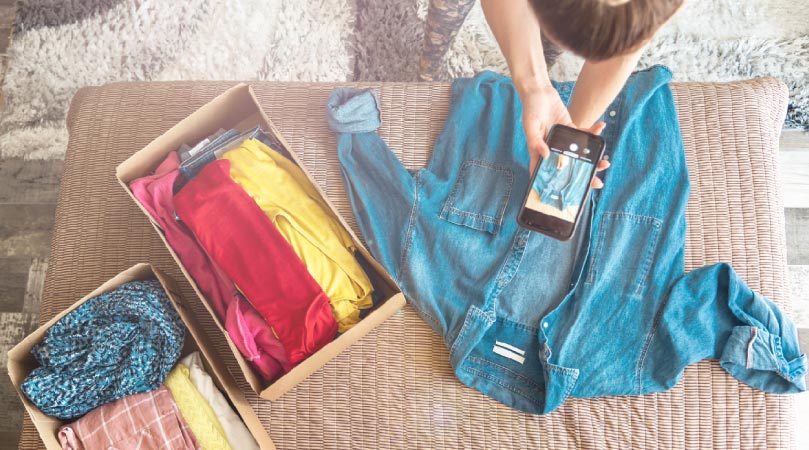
<point x="573" y="147"/>
<point x="586" y="151"/>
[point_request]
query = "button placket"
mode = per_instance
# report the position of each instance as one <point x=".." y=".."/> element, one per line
<point x="514" y="258"/>
<point x="610" y="118"/>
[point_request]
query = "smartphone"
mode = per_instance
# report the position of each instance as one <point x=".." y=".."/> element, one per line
<point x="561" y="183"/>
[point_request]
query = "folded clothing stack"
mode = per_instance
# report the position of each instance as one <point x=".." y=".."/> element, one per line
<point x="187" y="412"/>
<point x="116" y="344"/>
<point x="112" y="364"/>
<point x="147" y="420"/>
<point x="261" y="244"/>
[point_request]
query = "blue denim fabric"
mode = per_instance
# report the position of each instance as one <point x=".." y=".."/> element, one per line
<point x="270" y="140"/>
<point x="529" y="320"/>
<point x="192" y="166"/>
<point x="352" y="113"/>
<point x="562" y="187"/>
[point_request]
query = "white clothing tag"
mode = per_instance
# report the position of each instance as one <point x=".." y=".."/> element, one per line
<point x="504" y="350"/>
<point x="510" y="347"/>
<point x="198" y="147"/>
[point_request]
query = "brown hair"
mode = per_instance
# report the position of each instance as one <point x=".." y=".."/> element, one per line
<point x="601" y="29"/>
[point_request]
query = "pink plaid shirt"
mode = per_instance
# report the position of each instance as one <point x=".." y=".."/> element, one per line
<point x="148" y="421"/>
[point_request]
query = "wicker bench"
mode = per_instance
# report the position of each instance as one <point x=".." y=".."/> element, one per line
<point x="395" y="388"/>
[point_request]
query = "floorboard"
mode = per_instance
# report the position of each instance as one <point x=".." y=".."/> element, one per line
<point x="797" y="231"/>
<point x="29" y="181"/>
<point x="794" y="167"/>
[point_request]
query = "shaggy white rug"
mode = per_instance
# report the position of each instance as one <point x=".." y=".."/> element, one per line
<point x="708" y="40"/>
<point x="62" y="45"/>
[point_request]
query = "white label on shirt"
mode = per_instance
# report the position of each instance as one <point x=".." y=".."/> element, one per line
<point x="510" y="347"/>
<point x="198" y="147"/>
<point x="508" y="354"/>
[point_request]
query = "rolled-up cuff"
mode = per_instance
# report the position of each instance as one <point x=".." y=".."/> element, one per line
<point x="353" y="110"/>
<point x="755" y="357"/>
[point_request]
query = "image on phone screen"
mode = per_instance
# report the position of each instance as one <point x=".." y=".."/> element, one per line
<point x="560" y="184"/>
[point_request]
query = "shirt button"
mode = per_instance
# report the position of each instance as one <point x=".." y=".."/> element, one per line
<point x="612" y="113"/>
<point x="544" y="324"/>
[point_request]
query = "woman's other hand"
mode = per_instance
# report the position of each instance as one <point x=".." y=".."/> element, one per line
<point x="542" y="108"/>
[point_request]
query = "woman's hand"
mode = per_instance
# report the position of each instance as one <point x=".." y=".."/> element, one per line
<point x="542" y="108"/>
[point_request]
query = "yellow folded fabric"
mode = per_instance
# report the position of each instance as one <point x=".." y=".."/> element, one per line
<point x="196" y="411"/>
<point x="290" y="200"/>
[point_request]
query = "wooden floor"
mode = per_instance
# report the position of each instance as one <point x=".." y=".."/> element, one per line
<point x="28" y="194"/>
<point x="28" y="191"/>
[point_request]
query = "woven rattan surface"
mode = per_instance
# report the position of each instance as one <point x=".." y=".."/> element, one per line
<point x="395" y="388"/>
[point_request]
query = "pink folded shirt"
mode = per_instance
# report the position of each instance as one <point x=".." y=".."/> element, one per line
<point x="147" y="421"/>
<point x="245" y="326"/>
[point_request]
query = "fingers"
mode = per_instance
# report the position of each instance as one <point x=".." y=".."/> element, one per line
<point x="542" y="148"/>
<point x="597" y="128"/>
<point x="539" y="150"/>
<point x="535" y="140"/>
<point x="532" y="164"/>
<point x="602" y="165"/>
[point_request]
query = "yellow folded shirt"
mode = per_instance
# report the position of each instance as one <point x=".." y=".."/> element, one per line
<point x="290" y="200"/>
<point x="196" y="411"/>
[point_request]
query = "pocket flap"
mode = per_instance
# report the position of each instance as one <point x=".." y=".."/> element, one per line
<point x="479" y="196"/>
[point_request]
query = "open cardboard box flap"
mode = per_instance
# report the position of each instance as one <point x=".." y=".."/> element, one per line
<point x="238" y="108"/>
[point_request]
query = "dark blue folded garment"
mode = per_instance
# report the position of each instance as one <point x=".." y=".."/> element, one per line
<point x="228" y="140"/>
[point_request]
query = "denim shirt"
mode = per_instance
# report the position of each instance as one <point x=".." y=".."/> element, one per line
<point x="529" y="320"/>
<point x="561" y="187"/>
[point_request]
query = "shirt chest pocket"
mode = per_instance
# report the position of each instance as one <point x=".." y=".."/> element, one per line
<point x="479" y="196"/>
<point x="623" y="254"/>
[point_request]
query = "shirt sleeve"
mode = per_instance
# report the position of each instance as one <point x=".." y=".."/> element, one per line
<point x="382" y="192"/>
<point x="712" y="313"/>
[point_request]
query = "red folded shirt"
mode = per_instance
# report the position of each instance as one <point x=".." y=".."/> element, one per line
<point x="248" y="330"/>
<point x="245" y="244"/>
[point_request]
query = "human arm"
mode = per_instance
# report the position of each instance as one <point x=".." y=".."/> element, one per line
<point x="598" y="84"/>
<point x="516" y="29"/>
<point x="517" y="32"/>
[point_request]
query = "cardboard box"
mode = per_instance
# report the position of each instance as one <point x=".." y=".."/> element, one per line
<point x="21" y="362"/>
<point x="238" y="108"/>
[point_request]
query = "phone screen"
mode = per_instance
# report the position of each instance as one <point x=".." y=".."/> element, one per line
<point x="561" y="182"/>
